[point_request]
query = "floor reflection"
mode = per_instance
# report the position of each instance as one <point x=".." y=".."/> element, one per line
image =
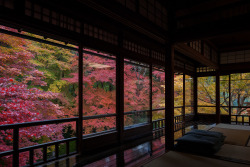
<point x="133" y="155"/>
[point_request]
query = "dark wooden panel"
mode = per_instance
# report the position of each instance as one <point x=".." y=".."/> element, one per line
<point x="189" y="118"/>
<point x="207" y="118"/>
<point x="96" y="142"/>
<point x="137" y="132"/>
<point x="225" y="119"/>
<point x="235" y="68"/>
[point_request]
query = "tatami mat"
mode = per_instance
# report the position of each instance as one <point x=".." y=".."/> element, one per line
<point x="234" y="152"/>
<point x="177" y="159"/>
<point x="234" y="136"/>
<point x="229" y="126"/>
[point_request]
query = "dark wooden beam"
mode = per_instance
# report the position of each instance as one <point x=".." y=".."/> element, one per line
<point x="183" y="70"/>
<point x="169" y="78"/>
<point x="185" y="6"/>
<point x="234" y="47"/>
<point x="211" y="44"/>
<point x="235" y="68"/>
<point x="193" y="54"/>
<point x="205" y="74"/>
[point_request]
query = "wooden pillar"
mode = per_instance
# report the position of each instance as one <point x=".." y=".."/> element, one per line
<point x="150" y="115"/>
<point x="184" y="105"/>
<point x="230" y="97"/>
<point x="184" y="97"/>
<point x="120" y="94"/>
<point x="169" y="98"/>
<point x="80" y="98"/>
<point x="169" y="77"/>
<point x="195" y="98"/>
<point x="217" y="97"/>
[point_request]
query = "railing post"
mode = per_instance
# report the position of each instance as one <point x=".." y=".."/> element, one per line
<point x="16" y="147"/>
<point x="67" y="147"/>
<point x="31" y="154"/>
<point x="150" y="115"/>
<point x="44" y="153"/>
<point x="56" y="150"/>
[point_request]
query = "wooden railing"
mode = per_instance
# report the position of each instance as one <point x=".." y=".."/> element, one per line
<point x="158" y="125"/>
<point x="240" y="119"/>
<point x="16" y="150"/>
<point x="178" y="122"/>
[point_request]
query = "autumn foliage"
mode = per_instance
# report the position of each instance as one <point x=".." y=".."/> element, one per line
<point x="23" y="98"/>
<point x="40" y="82"/>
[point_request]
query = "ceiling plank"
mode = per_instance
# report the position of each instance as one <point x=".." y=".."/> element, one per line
<point x="213" y="29"/>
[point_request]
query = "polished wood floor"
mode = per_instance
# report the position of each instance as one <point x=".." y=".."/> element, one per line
<point x="136" y="153"/>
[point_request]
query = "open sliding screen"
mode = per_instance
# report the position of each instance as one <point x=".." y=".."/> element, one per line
<point x="99" y="92"/>
<point x="206" y="95"/>
<point x="37" y="83"/>
<point x="178" y="94"/>
<point x="158" y="94"/>
<point x="189" y="95"/>
<point x="136" y="93"/>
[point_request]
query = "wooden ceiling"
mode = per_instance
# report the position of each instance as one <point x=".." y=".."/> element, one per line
<point x="223" y="23"/>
